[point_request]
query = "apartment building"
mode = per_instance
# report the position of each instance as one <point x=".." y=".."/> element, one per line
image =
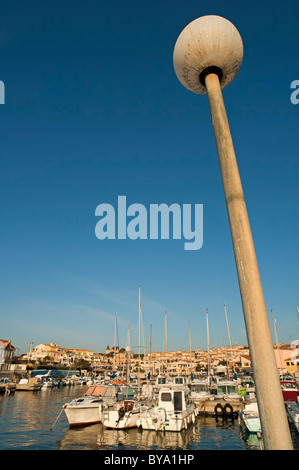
<point x="7" y="351"/>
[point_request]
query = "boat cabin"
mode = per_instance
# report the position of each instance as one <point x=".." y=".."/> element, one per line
<point x="161" y="380"/>
<point x="180" y="381"/>
<point x="227" y="388"/>
<point x="172" y="400"/>
<point x="199" y="387"/>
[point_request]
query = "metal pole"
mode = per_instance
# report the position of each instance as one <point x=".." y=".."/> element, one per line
<point x="275" y="428"/>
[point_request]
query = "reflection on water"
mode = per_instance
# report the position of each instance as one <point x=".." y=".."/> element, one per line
<point x="98" y="437"/>
<point x="26" y="419"/>
<point x="206" y="433"/>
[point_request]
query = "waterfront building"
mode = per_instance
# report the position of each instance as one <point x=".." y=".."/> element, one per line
<point x="179" y="362"/>
<point x="7" y="351"/>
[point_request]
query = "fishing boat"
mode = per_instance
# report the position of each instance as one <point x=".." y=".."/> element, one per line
<point x="173" y="412"/>
<point x="251" y="419"/>
<point x="289" y="389"/>
<point x="123" y="415"/>
<point x="293" y="413"/>
<point x="121" y="411"/>
<point x="86" y="409"/>
<point x="226" y="389"/>
<point x="29" y="384"/>
<point x="199" y="389"/>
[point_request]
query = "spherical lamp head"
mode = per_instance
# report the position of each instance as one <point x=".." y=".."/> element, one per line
<point x="208" y="44"/>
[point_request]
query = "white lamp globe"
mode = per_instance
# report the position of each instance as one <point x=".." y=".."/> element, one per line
<point x="208" y="44"/>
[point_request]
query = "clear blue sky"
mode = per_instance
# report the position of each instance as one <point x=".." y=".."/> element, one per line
<point x="94" y="110"/>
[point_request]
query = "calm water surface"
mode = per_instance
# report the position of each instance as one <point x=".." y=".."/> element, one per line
<point x="26" y="419"/>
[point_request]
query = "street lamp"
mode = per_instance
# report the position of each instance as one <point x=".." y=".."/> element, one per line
<point x="207" y="56"/>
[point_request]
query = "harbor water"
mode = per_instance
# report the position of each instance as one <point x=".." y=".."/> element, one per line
<point x="27" y="418"/>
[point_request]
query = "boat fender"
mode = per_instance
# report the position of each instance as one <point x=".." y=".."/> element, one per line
<point x="161" y="415"/>
<point x="193" y="418"/>
<point x="228" y="409"/>
<point x="218" y="409"/>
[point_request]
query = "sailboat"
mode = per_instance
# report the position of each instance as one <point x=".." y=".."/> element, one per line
<point x="200" y="388"/>
<point x="174" y="410"/>
<point x="125" y="413"/>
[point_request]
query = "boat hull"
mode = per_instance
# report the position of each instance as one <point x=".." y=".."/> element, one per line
<point x="157" y="420"/>
<point x="293" y="413"/>
<point x="253" y="425"/>
<point x="80" y="416"/>
<point x="112" y="420"/>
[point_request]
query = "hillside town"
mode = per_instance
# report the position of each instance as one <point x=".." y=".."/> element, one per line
<point x="217" y="360"/>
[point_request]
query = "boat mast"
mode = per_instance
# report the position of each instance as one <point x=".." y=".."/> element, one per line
<point x="114" y="348"/>
<point x="276" y="338"/>
<point x="190" y="348"/>
<point x="166" y="341"/>
<point x="208" y="345"/>
<point x="128" y="349"/>
<point x="139" y="343"/>
<point x="151" y="348"/>
<point x="230" y="341"/>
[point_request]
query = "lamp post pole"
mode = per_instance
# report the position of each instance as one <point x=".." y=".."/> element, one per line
<point x="274" y="423"/>
<point x="212" y="75"/>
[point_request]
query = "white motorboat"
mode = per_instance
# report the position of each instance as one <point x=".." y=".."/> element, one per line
<point x="123" y="415"/>
<point x="86" y="409"/>
<point x="47" y="383"/>
<point x="250" y="416"/>
<point x="293" y="413"/>
<point x="161" y="381"/>
<point x="174" y="411"/>
<point x="226" y="389"/>
<point x="199" y="389"/>
<point x="179" y="380"/>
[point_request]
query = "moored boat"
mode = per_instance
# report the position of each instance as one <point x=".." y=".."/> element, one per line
<point x="293" y="413"/>
<point x="86" y="409"/>
<point x="29" y="384"/>
<point x="123" y="415"/>
<point x="199" y="389"/>
<point x="290" y="390"/>
<point x="251" y="418"/>
<point x="226" y="389"/>
<point x="174" y="411"/>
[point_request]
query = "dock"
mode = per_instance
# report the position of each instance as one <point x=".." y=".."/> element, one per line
<point x="219" y="406"/>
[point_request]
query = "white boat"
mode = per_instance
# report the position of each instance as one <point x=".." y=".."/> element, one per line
<point x="250" y="416"/>
<point x="160" y="382"/>
<point x="226" y="389"/>
<point x="179" y="380"/>
<point x="293" y="413"/>
<point x="47" y="383"/>
<point x="86" y="409"/>
<point x="199" y="389"/>
<point x="174" y="411"/>
<point x="123" y="415"/>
